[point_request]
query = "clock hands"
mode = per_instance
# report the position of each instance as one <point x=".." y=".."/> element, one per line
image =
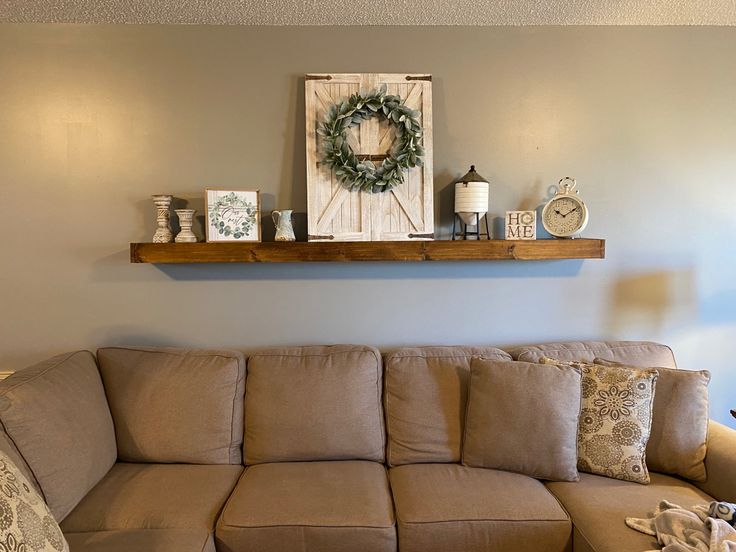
<point x="570" y="211"/>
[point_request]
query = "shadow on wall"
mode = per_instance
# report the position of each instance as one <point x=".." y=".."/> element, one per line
<point x="374" y="270"/>
<point x="650" y="304"/>
<point x="129" y="336"/>
<point x="294" y="185"/>
<point x="116" y="267"/>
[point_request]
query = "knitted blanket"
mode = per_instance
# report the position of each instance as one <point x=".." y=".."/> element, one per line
<point x="703" y="528"/>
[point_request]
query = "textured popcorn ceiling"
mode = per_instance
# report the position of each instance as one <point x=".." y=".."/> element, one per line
<point x="374" y="12"/>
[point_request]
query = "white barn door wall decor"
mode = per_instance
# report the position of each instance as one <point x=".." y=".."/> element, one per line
<point x="335" y="213"/>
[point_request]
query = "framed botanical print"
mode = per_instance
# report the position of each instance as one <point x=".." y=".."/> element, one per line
<point x="233" y="215"/>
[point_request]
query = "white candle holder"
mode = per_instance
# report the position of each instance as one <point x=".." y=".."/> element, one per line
<point x="186" y="219"/>
<point x="163" y="219"/>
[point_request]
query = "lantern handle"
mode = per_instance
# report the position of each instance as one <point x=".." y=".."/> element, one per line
<point x="567" y="188"/>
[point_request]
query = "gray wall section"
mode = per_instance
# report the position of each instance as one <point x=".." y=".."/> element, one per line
<point x="94" y="119"/>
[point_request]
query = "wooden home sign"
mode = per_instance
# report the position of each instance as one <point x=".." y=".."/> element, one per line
<point x="334" y="212"/>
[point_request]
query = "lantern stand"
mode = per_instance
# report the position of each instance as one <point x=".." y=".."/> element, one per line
<point x="464" y="233"/>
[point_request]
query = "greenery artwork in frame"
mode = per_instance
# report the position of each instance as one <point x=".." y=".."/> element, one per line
<point x="233" y="215"/>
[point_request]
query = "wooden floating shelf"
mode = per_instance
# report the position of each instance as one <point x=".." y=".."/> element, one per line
<point x="400" y="251"/>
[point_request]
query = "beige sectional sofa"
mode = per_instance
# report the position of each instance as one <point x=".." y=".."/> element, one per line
<point x="305" y="449"/>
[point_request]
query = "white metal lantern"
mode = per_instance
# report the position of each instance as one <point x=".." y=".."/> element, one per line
<point x="471" y="197"/>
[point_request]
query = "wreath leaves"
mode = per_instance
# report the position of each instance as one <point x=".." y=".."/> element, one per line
<point x="362" y="174"/>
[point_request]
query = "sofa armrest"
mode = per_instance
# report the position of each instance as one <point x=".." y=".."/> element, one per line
<point x="720" y="463"/>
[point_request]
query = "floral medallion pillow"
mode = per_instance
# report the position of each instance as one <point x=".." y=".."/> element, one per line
<point x="615" y="420"/>
<point x="26" y="524"/>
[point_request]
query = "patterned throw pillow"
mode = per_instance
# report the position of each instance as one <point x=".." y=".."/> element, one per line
<point x="615" y="420"/>
<point x="26" y="524"/>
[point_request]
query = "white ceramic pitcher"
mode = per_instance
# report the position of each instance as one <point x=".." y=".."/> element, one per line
<point x="282" y="221"/>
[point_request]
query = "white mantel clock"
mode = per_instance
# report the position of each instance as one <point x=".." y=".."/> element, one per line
<point x="565" y="215"/>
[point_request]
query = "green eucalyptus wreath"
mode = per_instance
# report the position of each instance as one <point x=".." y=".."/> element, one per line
<point x="361" y="174"/>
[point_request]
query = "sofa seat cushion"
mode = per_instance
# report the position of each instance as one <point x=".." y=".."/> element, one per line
<point x="148" y="540"/>
<point x="333" y="506"/>
<point x="598" y="507"/>
<point x="155" y="496"/>
<point x="453" y="508"/>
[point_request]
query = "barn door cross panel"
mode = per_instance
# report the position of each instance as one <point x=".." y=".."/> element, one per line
<point x="405" y="212"/>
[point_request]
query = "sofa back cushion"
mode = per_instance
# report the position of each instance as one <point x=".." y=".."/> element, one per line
<point x="425" y="399"/>
<point x="678" y="440"/>
<point x="57" y="415"/>
<point x="540" y="438"/>
<point x="635" y="353"/>
<point x="175" y="405"/>
<point x="314" y="403"/>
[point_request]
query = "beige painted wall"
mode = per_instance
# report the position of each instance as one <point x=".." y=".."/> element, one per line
<point x="94" y="119"/>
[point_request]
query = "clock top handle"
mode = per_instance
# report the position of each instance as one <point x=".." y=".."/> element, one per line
<point x="567" y="187"/>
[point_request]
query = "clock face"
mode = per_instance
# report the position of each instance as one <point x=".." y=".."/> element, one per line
<point x="564" y="217"/>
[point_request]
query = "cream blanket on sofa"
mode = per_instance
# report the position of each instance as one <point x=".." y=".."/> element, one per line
<point x="703" y="528"/>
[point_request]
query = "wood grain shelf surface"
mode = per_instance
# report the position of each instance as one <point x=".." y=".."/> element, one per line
<point x="401" y="251"/>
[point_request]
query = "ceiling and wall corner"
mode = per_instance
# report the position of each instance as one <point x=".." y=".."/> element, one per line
<point x="373" y="12"/>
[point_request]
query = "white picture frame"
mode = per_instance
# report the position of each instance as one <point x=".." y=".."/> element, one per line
<point x="232" y="215"/>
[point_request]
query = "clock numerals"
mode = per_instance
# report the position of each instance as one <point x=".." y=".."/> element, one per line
<point x="564" y="217"/>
